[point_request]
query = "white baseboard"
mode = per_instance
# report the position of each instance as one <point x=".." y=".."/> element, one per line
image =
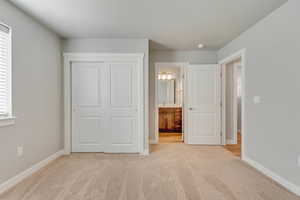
<point x="282" y="181"/>
<point x="65" y="152"/>
<point x="145" y="152"/>
<point x="230" y="141"/>
<point x="28" y="172"/>
<point x="153" y="142"/>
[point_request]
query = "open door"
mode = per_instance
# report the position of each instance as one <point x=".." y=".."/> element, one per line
<point x="203" y="104"/>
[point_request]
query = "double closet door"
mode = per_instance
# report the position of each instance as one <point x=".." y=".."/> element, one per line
<point x="105" y="107"/>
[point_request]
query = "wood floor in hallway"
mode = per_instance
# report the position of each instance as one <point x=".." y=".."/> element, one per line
<point x="235" y="149"/>
<point x="170" y="172"/>
<point x="165" y="138"/>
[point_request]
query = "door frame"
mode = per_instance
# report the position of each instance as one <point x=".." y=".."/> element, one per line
<point x="242" y="55"/>
<point x="182" y="66"/>
<point x="103" y="57"/>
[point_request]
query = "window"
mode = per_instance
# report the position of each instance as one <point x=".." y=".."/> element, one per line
<point x="5" y="72"/>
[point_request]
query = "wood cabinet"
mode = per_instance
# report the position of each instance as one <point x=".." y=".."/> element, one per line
<point x="170" y="119"/>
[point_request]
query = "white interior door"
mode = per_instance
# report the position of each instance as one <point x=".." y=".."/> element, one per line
<point x="90" y="107"/>
<point x="203" y="104"/>
<point x="105" y="107"/>
<point x="123" y="137"/>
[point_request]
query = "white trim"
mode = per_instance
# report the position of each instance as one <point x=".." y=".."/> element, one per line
<point x="233" y="57"/>
<point x="219" y="92"/>
<point x="185" y="104"/>
<point x="103" y="57"/>
<point x="182" y="66"/>
<point x="28" y="172"/>
<point x="67" y="106"/>
<point x="145" y="153"/>
<point x="7" y="121"/>
<point x="145" y="64"/>
<point x="223" y="103"/>
<point x="153" y="141"/>
<point x="230" y="141"/>
<point x="269" y="173"/>
<point x="240" y="54"/>
<point x="235" y="105"/>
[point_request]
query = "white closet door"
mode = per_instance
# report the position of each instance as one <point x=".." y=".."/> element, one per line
<point x="203" y="103"/>
<point x="105" y="107"/>
<point x="89" y="107"/>
<point x="123" y="137"/>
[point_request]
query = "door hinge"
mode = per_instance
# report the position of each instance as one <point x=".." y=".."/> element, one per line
<point x="221" y="133"/>
<point x="221" y="75"/>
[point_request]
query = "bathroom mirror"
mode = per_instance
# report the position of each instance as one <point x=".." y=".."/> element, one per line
<point x="166" y="92"/>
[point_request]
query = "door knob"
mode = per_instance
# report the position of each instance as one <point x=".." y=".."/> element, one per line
<point x="191" y="109"/>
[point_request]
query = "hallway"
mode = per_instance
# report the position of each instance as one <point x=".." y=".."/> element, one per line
<point x="235" y="149"/>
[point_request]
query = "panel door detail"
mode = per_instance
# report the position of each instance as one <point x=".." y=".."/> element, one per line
<point x="123" y="136"/>
<point x="203" y="104"/>
<point x="105" y="107"/>
<point x="89" y="107"/>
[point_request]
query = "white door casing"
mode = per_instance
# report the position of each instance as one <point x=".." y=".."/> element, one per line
<point x="182" y="67"/>
<point x="203" y="104"/>
<point x="241" y="54"/>
<point x="235" y="103"/>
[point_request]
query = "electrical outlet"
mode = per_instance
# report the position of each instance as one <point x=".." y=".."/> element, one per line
<point x="20" y="151"/>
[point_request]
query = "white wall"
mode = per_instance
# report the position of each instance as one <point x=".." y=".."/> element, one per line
<point x="192" y="57"/>
<point x="115" y="46"/>
<point x="272" y="72"/>
<point x="37" y="94"/>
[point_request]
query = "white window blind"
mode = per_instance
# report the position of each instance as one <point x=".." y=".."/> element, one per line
<point x="5" y="70"/>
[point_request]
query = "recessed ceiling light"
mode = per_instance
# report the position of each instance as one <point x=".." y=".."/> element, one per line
<point x="200" y="46"/>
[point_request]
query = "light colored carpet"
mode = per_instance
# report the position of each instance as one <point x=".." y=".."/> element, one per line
<point x="172" y="171"/>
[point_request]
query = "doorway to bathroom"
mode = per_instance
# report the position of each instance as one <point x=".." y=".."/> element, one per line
<point x="169" y="115"/>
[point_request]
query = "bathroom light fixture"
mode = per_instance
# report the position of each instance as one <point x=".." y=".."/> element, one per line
<point x="165" y="76"/>
<point x="200" y="46"/>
